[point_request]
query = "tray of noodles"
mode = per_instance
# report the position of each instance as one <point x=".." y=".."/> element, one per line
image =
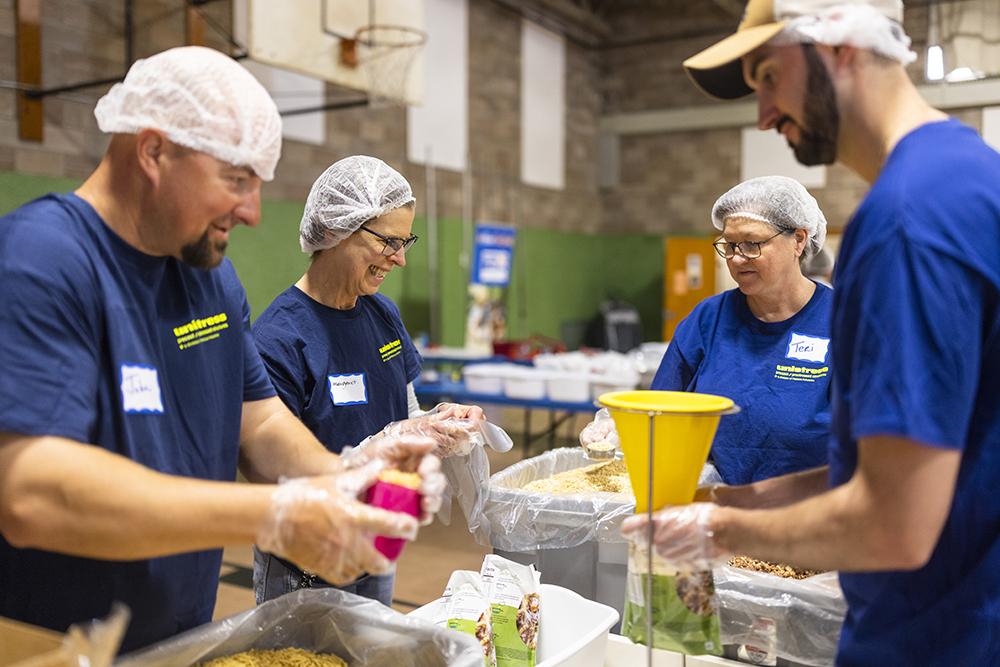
<point x="313" y="628"/>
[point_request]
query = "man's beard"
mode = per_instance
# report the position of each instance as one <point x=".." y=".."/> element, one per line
<point x="818" y="144"/>
<point x="203" y="253"/>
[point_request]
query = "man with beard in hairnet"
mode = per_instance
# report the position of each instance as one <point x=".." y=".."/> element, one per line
<point x="131" y="387"/>
<point x="907" y="510"/>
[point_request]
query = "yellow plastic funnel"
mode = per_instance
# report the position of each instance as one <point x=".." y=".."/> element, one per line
<point x="683" y="427"/>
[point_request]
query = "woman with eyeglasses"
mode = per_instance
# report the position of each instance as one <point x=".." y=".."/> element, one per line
<point x="766" y="343"/>
<point x="336" y="350"/>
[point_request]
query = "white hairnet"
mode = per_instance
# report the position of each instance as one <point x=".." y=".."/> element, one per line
<point x="866" y="25"/>
<point x="779" y="201"/>
<point x="348" y="194"/>
<point x="202" y="99"/>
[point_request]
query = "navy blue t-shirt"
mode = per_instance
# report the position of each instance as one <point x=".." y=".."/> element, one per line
<point x="916" y="343"/>
<point x="777" y="372"/>
<point x="342" y="372"/>
<point x="144" y="356"/>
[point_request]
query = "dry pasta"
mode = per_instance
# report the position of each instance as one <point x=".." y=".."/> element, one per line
<point x="284" y="657"/>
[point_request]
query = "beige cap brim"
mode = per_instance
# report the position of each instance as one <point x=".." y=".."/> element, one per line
<point x="717" y="69"/>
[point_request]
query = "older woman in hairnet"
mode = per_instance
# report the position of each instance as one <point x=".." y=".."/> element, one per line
<point x="766" y="343"/>
<point x="336" y="350"/>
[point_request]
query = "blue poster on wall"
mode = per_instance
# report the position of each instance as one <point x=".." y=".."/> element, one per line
<point x="492" y="255"/>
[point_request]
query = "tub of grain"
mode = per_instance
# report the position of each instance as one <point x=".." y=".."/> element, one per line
<point x="324" y="621"/>
<point x="562" y="513"/>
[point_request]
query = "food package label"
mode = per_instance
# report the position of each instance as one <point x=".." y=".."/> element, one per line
<point x="468" y="610"/>
<point x="516" y="610"/>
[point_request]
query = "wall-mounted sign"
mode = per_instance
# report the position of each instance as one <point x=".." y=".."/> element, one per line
<point x="492" y="255"/>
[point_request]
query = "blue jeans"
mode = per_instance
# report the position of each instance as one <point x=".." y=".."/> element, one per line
<point x="271" y="578"/>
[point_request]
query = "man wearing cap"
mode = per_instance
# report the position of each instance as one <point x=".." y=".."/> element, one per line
<point x="907" y="509"/>
<point x="131" y="386"/>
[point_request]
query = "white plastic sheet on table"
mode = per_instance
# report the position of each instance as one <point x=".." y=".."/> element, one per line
<point x="363" y="632"/>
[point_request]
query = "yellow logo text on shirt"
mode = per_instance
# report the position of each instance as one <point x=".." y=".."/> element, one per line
<point x="800" y="373"/>
<point x="200" y="330"/>
<point x="391" y="350"/>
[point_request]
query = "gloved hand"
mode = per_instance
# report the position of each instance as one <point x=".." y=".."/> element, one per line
<point x="409" y="453"/>
<point x="682" y="536"/>
<point x="600" y="436"/>
<point x="318" y="524"/>
<point x="472" y="413"/>
<point x="455" y="429"/>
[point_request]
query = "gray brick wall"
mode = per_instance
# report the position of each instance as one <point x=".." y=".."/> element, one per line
<point x="668" y="180"/>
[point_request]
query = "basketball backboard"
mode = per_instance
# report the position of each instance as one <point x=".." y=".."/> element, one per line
<point x="305" y="36"/>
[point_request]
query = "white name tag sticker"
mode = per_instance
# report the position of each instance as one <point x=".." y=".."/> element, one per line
<point x="141" y="389"/>
<point x="348" y="389"/>
<point x="808" y="348"/>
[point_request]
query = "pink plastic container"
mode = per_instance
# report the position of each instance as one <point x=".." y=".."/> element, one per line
<point x="394" y="498"/>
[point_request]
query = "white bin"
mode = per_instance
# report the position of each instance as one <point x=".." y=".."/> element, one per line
<point x="573" y="631"/>
<point x="569" y="387"/>
<point x="484" y="378"/>
<point x="525" y="383"/>
<point x="603" y="383"/>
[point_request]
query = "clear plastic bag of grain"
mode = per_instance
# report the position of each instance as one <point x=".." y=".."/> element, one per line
<point x="775" y="608"/>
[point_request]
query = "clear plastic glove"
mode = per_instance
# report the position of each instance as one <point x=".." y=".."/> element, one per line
<point x="599" y="438"/>
<point x="455" y="429"/>
<point x="408" y="453"/>
<point x="458" y="411"/>
<point x="682" y="536"/>
<point x="318" y="524"/>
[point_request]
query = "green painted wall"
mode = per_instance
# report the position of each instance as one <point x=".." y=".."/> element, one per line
<point x="16" y="189"/>
<point x="559" y="277"/>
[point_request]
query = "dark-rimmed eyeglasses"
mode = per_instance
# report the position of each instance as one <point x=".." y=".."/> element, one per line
<point x="748" y="249"/>
<point x="393" y="244"/>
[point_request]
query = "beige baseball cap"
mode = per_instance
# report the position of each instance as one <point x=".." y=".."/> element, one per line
<point x="717" y="69"/>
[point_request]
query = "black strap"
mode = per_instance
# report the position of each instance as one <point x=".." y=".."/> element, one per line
<point x="307" y="580"/>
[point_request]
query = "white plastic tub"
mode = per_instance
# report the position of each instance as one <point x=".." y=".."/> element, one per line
<point x="573" y="631"/>
<point x="484" y="378"/>
<point x="602" y="383"/>
<point x="526" y="383"/>
<point x="569" y="387"/>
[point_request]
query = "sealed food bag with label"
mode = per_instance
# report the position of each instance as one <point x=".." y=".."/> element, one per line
<point x="683" y="606"/>
<point x="468" y="610"/>
<point x="516" y="610"/>
<point x="465" y="606"/>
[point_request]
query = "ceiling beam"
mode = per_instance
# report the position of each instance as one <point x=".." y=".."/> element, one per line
<point x="564" y="17"/>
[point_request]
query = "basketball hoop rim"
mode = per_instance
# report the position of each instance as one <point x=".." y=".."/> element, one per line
<point x="418" y="37"/>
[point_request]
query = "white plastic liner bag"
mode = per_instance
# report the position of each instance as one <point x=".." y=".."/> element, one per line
<point x="513" y="519"/>
<point x="363" y="632"/>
